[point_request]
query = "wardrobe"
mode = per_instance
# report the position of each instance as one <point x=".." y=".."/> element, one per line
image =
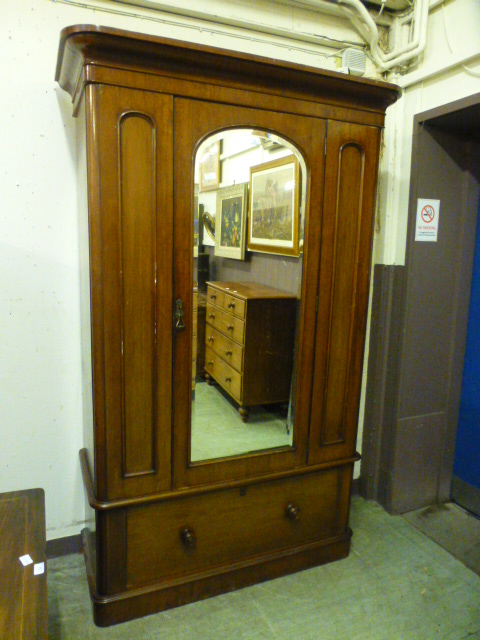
<point x="185" y="504"/>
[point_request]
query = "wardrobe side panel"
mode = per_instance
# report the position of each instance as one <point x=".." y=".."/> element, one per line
<point x="82" y="137"/>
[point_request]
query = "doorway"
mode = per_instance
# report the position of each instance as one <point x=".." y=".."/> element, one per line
<point x="466" y="469"/>
<point x="419" y="323"/>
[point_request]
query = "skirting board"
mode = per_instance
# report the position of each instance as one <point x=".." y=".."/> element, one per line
<point x="64" y="546"/>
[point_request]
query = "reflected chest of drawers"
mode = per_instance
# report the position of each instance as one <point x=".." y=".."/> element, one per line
<point x="249" y="342"/>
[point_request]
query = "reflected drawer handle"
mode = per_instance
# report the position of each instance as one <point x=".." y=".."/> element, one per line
<point x="228" y="353"/>
<point x="228" y="379"/>
<point x="292" y="512"/>
<point x="188" y="537"/>
<point x="230" y="327"/>
<point x="211" y="338"/>
<point x="231" y="305"/>
<point x="211" y="315"/>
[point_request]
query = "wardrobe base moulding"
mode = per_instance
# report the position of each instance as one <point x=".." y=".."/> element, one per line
<point x="135" y="603"/>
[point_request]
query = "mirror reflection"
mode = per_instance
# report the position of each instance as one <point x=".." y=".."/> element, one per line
<point x="249" y="211"/>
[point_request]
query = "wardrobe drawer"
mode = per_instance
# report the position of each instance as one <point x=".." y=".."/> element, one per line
<point x="224" y="374"/>
<point x="234" y="525"/>
<point x="215" y="296"/>
<point x="234" y="305"/>
<point x="225" y="322"/>
<point x="227" y="349"/>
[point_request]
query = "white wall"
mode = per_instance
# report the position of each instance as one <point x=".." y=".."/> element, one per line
<point x="40" y="394"/>
<point x="40" y="362"/>
<point x="438" y="79"/>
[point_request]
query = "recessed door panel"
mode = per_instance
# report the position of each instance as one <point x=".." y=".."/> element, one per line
<point x="138" y="255"/>
<point x="350" y="172"/>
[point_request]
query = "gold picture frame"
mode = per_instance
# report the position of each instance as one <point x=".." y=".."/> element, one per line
<point x="273" y="214"/>
<point x="230" y="221"/>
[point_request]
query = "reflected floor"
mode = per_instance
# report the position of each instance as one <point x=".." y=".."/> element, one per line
<point x="218" y="430"/>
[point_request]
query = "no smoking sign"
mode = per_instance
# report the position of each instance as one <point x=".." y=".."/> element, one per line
<point x="428" y="212"/>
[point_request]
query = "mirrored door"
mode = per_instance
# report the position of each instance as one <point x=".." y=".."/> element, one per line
<point x="244" y="208"/>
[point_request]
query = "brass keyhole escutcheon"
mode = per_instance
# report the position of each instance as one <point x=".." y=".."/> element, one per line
<point x="179" y="313"/>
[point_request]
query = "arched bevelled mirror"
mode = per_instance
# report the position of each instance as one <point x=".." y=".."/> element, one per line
<point x="249" y="218"/>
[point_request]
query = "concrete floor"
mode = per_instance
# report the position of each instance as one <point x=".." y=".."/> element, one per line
<point x="396" y="584"/>
<point x="453" y="528"/>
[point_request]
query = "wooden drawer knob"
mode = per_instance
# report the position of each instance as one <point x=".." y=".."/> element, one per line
<point x="292" y="512"/>
<point x="211" y="315"/>
<point x="212" y="296"/>
<point x="210" y="363"/>
<point x="228" y="379"/>
<point x="188" y="538"/>
<point x="228" y="353"/>
<point x="231" y="305"/>
<point x="230" y="327"/>
<point x="210" y="338"/>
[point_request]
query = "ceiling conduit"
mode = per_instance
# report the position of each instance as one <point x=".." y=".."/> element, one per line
<point x="365" y="24"/>
<point x="353" y="10"/>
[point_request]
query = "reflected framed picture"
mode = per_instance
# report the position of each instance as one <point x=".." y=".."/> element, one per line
<point x="230" y="221"/>
<point x="273" y="214"/>
<point x="209" y="167"/>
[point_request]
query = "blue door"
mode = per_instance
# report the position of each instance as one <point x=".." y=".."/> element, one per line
<point x="467" y="453"/>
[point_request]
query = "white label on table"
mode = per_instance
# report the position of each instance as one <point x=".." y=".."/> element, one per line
<point x="26" y="560"/>
<point x="38" y="568"/>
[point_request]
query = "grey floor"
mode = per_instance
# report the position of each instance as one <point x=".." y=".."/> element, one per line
<point x="453" y="528"/>
<point x="396" y="584"/>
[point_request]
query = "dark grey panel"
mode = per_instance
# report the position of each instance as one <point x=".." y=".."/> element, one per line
<point x="419" y="444"/>
<point x="378" y="428"/>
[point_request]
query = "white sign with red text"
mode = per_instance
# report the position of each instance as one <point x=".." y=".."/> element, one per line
<point x="428" y="212"/>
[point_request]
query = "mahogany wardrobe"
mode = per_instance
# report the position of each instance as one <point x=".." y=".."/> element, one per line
<point x="205" y="172"/>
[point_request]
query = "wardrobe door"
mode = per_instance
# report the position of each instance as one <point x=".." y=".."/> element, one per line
<point x="349" y="199"/>
<point x="130" y="174"/>
<point x="195" y="123"/>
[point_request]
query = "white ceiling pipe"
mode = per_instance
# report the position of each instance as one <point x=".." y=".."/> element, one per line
<point x="358" y="16"/>
<point x="353" y="10"/>
<point x="420" y="18"/>
<point x="365" y="24"/>
<point x="397" y="56"/>
<point x="417" y="46"/>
